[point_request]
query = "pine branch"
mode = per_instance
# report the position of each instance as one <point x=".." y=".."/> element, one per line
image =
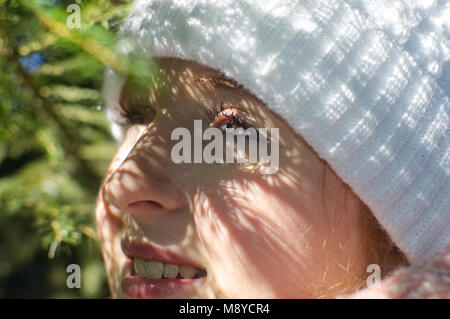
<point x="90" y="178"/>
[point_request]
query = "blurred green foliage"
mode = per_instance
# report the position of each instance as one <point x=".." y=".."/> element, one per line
<point x="55" y="144"/>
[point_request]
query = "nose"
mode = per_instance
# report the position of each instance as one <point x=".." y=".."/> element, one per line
<point x="142" y="184"/>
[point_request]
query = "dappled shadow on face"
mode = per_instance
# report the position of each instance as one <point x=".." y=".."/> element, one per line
<point x="271" y="232"/>
<point x="234" y="219"/>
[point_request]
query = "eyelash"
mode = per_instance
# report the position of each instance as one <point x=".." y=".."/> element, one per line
<point x="235" y="115"/>
<point x="132" y="116"/>
<point x="214" y="114"/>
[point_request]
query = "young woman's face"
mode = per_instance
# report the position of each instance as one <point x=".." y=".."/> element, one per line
<point x="292" y="234"/>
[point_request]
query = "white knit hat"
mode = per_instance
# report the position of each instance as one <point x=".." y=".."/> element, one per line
<point x="366" y="83"/>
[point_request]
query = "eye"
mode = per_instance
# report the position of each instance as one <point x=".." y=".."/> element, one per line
<point x="229" y="118"/>
<point x="134" y="109"/>
<point x="134" y="116"/>
<point x="225" y="122"/>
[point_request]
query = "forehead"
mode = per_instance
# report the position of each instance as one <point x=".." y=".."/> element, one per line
<point x="173" y="77"/>
<point x="194" y="72"/>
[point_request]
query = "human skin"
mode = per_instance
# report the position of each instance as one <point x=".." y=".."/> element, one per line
<point x="298" y="233"/>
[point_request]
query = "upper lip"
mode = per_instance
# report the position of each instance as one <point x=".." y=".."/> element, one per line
<point x="154" y="253"/>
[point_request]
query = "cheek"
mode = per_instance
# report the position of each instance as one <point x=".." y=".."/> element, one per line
<point x="258" y="238"/>
<point x="276" y="238"/>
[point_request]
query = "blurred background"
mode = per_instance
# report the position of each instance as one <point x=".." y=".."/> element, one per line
<point x="55" y="144"/>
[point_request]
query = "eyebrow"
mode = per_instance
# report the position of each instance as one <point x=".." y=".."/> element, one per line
<point x="216" y="82"/>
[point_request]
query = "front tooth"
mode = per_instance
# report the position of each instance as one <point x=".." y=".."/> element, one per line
<point x="140" y="266"/>
<point x="187" y="272"/>
<point x="171" y="271"/>
<point x="154" y="269"/>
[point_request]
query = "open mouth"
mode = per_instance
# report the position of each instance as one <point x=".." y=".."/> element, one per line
<point x="154" y="272"/>
<point x="158" y="270"/>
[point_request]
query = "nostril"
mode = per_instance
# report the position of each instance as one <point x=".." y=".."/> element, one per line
<point x="133" y="194"/>
<point x="142" y="210"/>
<point x="147" y="205"/>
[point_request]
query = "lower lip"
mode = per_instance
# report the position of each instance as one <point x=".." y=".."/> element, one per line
<point x="140" y="287"/>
